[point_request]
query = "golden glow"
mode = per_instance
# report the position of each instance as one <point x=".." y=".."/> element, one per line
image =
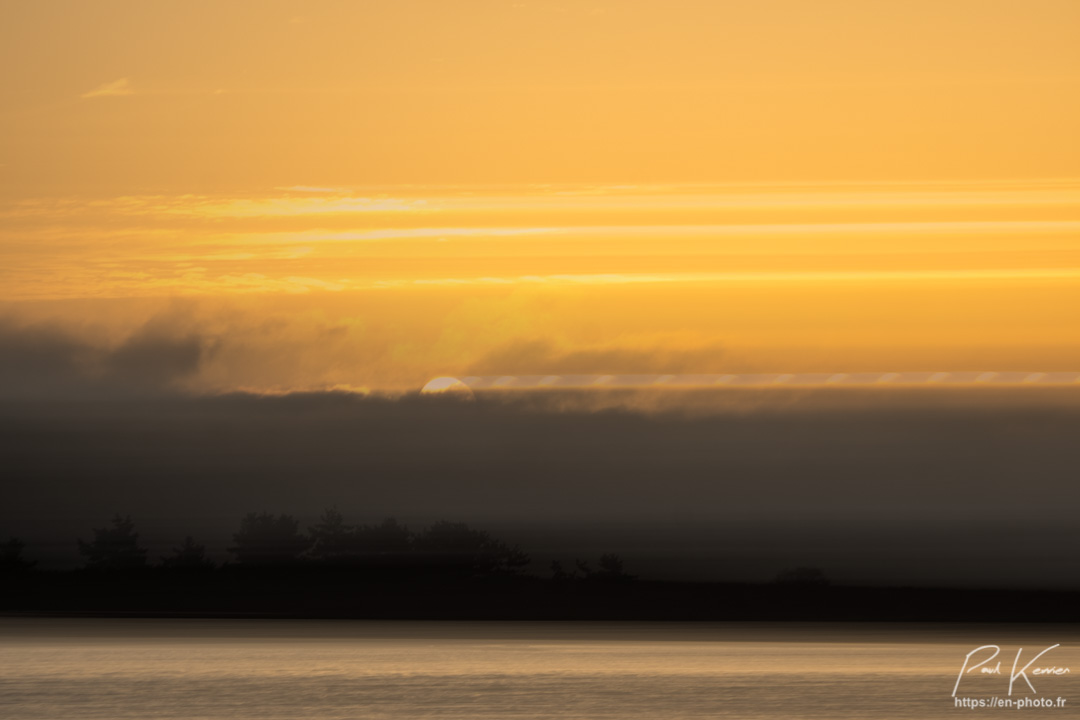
<point x="150" y="246"/>
<point x="374" y="194"/>
<point x="759" y="380"/>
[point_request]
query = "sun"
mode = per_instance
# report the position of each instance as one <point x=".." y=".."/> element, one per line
<point x="447" y="386"/>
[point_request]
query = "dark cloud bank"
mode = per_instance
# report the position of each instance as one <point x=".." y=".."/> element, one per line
<point x="943" y="487"/>
<point x="888" y="486"/>
<point x="45" y="362"/>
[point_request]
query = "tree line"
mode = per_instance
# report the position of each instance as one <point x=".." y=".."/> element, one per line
<point x="266" y="540"/>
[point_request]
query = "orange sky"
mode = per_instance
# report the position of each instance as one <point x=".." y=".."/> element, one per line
<point x="368" y="194"/>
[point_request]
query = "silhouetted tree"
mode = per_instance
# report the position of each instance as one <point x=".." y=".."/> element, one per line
<point x="611" y="564"/>
<point x="189" y="556"/>
<point x="387" y="538"/>
<point x="558" y="574"/>
<point x="333" y="539"/>
<point x="611" y="570"/>
<point x="265" y="539"/>
<point x="336" y="541"/>
<point x="470" y="552"/>
<point x="114" y="548"/>
<point x="803" y="576"/>
<point x="11" y="559"/>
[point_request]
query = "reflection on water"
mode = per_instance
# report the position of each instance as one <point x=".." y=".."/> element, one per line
<point x="190" y="669"/>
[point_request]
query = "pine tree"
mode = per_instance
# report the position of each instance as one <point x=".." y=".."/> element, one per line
<point x="114" y="548"/>
<point x="189" y="556"/>
<point x="264" y="539"/>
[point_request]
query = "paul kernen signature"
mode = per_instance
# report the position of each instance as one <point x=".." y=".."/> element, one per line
<point x="985" y="669"/>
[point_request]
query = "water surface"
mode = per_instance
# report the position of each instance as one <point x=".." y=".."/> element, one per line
<point x="210" y="669"/>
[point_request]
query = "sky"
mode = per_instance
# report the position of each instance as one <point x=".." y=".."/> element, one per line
<point x="241" y="97"/>
<point x="371" y="194"/>
<point x="269" y="198"/>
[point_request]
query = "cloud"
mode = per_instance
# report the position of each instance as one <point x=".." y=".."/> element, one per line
<point x="116" y="88"/>
<point x="42" y="361"/>
<point x="312" y="189"/>
<point x="938" y="487"/>
<point x="537" y="357"/>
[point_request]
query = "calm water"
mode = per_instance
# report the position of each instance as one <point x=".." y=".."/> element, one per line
<point x="327" y="669"/>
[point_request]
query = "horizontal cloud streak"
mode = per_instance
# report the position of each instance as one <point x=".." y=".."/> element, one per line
<point x="354" y="239"/>
<point x="116" y="88"/>
<point x="764" y="380"/>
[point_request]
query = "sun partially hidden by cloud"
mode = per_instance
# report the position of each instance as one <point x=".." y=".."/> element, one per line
<point x="116" y="88"/>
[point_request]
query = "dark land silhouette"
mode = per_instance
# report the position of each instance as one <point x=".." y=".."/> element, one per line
<point x="449" y="570"/>
<point x="950" y="488"/>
